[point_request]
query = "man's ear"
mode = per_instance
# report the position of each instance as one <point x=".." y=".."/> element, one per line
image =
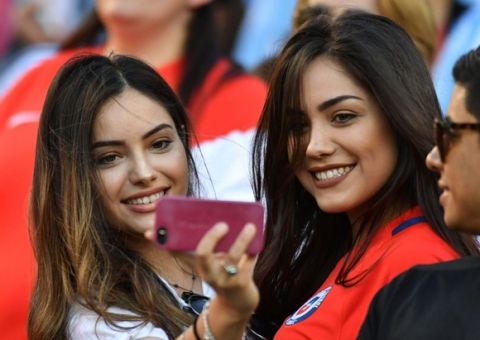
<point x="198" y="3"/>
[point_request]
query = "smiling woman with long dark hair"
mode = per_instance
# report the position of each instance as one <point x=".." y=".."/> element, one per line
<point x="113" y="140"/>
<point x="339" y="158"/>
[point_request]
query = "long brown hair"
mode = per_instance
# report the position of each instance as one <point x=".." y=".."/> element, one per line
<point x="382" y="58"/>
<point x="81" y="257"/>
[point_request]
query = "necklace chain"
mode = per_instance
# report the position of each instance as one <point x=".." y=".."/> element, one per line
<point x="192" y="275"/>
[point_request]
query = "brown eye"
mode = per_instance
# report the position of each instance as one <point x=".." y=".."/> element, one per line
<point x="161" y="144"/>
<point x="107" y="159"/>
<point x="343" y="118"/>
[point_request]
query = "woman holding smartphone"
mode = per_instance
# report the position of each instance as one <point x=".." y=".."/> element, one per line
<point x="339" y="159"/>
<point x="178" y="38"/>
<point x="113" y="140"/>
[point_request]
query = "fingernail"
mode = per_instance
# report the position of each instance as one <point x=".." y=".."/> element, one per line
<point x="251" y="227"/>
<point x="221" y="227"/>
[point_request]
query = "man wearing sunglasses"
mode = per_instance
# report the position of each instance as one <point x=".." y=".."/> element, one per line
<point x="442" y="301"/>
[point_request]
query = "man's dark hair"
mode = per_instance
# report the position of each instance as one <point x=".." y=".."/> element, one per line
<point x="466" y="72"/>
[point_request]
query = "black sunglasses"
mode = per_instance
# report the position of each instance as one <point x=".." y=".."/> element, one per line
<point x="445" y="131"/>
<point x="195" y="302"/>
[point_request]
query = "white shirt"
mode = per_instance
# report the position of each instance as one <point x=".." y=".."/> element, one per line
<point x="85" y="324"/>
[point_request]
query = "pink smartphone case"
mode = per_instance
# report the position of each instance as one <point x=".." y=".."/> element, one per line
<point x="181" y="222"/>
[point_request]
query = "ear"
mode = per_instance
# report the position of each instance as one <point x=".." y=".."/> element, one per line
<point x="198" y="3"/>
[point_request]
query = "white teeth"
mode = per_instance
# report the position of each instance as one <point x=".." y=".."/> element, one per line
<point x="332" y="173"/>
<point x="147" y="199"/>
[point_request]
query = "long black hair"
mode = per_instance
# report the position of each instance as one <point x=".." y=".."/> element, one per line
<point x="303" y="243"/>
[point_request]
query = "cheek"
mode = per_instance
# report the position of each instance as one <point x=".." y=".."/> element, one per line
<point x="110" y="182"/>
<point x="183" y="175"/>
<point x="387" y="163"/>
<point x="384" y="138"/>
<point x="389" y="158"/>
<point x="381" y="158"/>
<point x="459" y="180"/>
<point x="177" y="167"/>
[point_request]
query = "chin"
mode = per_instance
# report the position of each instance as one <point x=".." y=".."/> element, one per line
<point x="333" y="205"/>
<point x="332" y="208"/>
<point x="452" y="222"/>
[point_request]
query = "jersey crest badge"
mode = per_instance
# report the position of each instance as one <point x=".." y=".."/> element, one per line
<point x="308" y="307"/>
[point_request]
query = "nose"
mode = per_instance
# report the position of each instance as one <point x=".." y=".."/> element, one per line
<point x="319" y="143"/>
<point x="433" y="160"/>
<point x="142" y="171"/>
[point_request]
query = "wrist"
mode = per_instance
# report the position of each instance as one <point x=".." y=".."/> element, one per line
<point x="230" y="314"/>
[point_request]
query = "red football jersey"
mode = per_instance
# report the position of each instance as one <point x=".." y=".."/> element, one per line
<point x="337" y="312"/>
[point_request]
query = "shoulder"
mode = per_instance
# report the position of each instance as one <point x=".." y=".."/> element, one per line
<point x="426" y="276"/>
<point x="227" y="102"/>
<point x="28" y="93"/>
<point x="415" y="245"/>
<point x="236" y="82"/>
<point x="422" y="278"/>
<point x="421" y="296"/>
<point x="86" y="324"/>
<point x="47" y="68"/>
<point x="455" y="268"/>
<point x="419" y="244"/>
<point x="50" y="65"/>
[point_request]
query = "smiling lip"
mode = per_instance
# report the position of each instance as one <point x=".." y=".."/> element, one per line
<point x="330" y="175"/>
<point x="441" y="185"/>
<point x="441" y="199"/>
<point x="145" y="202"/>
<point x="444" y="192"/>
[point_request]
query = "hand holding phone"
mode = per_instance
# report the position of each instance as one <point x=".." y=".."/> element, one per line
<point x="181" y="222"/>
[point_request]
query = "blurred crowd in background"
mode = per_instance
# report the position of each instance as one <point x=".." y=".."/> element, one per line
<point x="32" y="30"/>
<point x="252" y="32"/>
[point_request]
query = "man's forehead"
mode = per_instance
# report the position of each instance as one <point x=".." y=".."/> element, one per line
<point x="457" y="110"/>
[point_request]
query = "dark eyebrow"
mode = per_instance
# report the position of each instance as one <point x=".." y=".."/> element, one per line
<point x="145" y="136"/>
<point x="329" y="103"/>
<point x="156" y="129"/>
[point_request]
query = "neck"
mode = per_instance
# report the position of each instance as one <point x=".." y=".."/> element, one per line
<point x="177" y="269"/>
<point x="157" y="45"/>
<point x="357" y="216"/>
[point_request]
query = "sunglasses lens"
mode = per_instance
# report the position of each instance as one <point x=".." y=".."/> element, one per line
<point x="198" y="304"/>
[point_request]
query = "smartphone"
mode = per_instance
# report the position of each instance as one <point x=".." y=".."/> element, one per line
<point x="181" y="222"/>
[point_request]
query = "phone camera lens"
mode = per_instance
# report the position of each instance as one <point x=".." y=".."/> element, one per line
<point x="162" y="235"/>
